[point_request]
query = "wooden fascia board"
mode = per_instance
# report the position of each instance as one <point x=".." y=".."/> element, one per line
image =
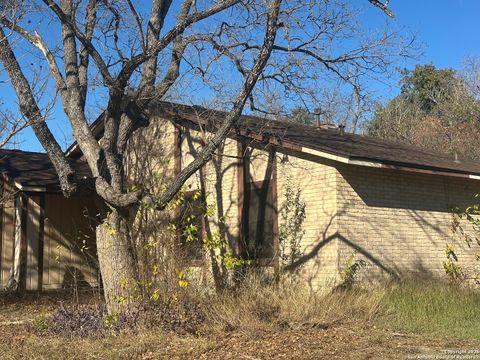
<point x="383" y="165"/>
<point x="30" y="188"/>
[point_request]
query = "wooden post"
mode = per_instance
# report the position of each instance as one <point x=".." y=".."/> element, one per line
<point x="2" y="206"/>
<point x="23" y="202"/>
<point x="41" y="240"/>
<point x="273" y="184"/>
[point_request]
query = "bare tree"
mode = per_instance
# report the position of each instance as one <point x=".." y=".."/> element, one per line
<point x="106" y="50"/>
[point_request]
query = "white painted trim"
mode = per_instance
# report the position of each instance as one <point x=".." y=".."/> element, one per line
<point x="339" y="158"/>
<point x="372" y="164"/>
<point x="365" y="163"/>
<point x="325" y="155"/>
<point x="29" y="188"/>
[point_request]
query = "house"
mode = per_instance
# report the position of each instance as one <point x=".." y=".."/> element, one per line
<point x="46" y="240"/>
<point x="383" y="204"/>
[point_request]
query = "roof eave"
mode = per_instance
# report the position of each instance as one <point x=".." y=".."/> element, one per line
<point x="388" y="165"/>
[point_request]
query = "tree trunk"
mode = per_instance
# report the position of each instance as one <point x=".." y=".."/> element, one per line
<point x="117" y="264"/>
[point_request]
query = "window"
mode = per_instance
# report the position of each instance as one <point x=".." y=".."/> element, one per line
<point x="260" y="220"/>
<point x="189" y="225"/>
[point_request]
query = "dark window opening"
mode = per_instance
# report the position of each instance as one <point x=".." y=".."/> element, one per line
<point x="260" y="220"/>
<point x="189" y="227"/>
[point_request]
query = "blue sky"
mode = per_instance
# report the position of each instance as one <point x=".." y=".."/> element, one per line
<point x="447" y="29"/>
<point x="447" y="32"/>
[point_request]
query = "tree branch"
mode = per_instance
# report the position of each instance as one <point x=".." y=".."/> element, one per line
<point x="66" y="20"/>
<point x="37" y="41"/>
<point x="383" y="7"/>
<point x="30" y="109"/>
<point x="91" y="17"/>
<point x="130" y="66"/>
<point x="159" y="11"/>
<point x="205" y="154"/>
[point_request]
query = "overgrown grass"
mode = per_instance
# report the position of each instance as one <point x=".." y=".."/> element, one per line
<point x="265" y="305"/>
<point x="433" y="308"/>
<point x="436" y="308"/>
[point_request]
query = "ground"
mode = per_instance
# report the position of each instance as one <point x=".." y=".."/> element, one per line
<point x="344" y="340"/>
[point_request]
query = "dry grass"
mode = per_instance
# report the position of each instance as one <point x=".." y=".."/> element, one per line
<point x="266" y="320"/>
<point x="439" y="309"/>
<point x="260" y="305"/>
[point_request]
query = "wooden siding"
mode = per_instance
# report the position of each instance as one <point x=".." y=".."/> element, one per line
<point x="33" y="217"/>
<point x="7" y="234"/>
<point x="69" y="247"/>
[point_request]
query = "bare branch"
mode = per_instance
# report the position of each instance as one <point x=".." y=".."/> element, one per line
<point x="84" y="56"/>
<point x="159" y="11"/>
<point x="205" y="154"/>
<point x="130" y="66"/>
<point x="38" y="42"/>
<point x="66" y="20"/>
<point x="383" y="7"/>
<point x="29" y="107"/>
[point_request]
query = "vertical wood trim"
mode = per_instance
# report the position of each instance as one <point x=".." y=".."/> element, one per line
<point x="243" y="192"/>
<point x="41" y="241"/>
<point x="203" y="200"/>
<point x="23" y="242"/>
<point x="14" y="235"/>
<point x="2" y="214"/>
<point x="177" y="149"/>
<point x="240" y="196"/>
<point x="275" y="208"/>
<point x="177" y="155"/>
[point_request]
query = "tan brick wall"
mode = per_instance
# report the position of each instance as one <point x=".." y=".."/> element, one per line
<point x="399" y="222"/>
<point x="317" y="182"/>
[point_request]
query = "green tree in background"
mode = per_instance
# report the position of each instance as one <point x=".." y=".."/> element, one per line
<point x="436" y="109"/>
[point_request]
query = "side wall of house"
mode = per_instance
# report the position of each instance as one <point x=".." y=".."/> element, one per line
<point x="7" y="240"/>
<point x="159" y="152"/>
<point x="317" y="181"/>
<point x="69" y="242"/>
<point x="319" y="248"/>
<point x="58" y="226"/>
<point x="318" y="265"/>
<point x="399" y="222"/>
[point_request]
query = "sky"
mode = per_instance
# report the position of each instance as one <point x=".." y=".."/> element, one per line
<point x="447" y="33"/>
<point x="448" y="30"/>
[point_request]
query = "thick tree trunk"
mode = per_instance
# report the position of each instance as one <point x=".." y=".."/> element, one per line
<point x="117" y="264"/>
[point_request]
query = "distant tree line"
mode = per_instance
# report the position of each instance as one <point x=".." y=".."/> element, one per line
<point x="437" y="109"/>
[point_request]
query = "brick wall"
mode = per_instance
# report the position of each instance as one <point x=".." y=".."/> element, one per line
<point x="317" y="181"/>
<point x="400" y="222"/>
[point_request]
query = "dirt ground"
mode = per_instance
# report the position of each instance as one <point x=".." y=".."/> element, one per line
<point x="341" y="341"/>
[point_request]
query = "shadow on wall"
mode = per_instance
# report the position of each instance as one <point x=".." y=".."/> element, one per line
<point x="70" y="246"/>
<point x="379" y="265"/>
<point x="324" y="240"/>
<point x="386" y="188"/>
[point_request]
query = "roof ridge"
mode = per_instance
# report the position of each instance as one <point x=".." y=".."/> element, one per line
<point x="25" y="151"/>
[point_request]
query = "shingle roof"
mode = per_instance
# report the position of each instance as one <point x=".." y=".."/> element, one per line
<point x="34" y="169"/>
<point x="331" y="141"/>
